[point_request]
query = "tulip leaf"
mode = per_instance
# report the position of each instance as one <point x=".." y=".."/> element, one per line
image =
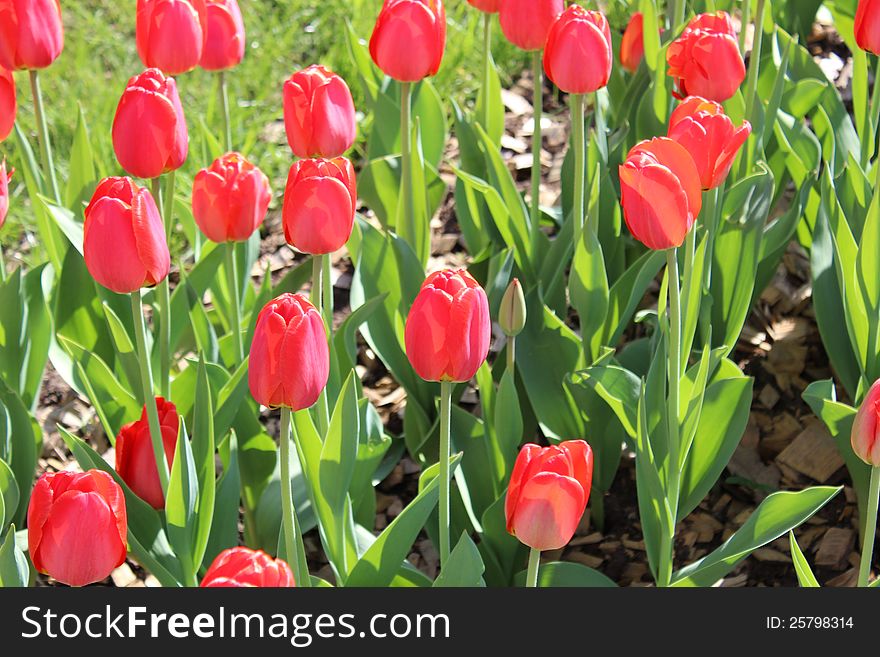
<point x="8" y="495"/>
<point x="182" y="504"/>
<point x="464" y="567"/>
<point x="557" y="574"/>
<point x="626" y="293"/>
<point x="339" y="452"/>
<point x="588" y="287"/>
<point x="620" y="389"/>
<point x="14" y="569"/>
<point x="125" y="351"/>
<point x="508" y="426"/>
<point x="777" y="514"/>
<point x="20" y="441"/>
<point x="805" y="575"/>
<point x="81" y="165"/>
<point x="224" y="525"/>
<point x="203" y="463"/>
<point x="199" y="279"/>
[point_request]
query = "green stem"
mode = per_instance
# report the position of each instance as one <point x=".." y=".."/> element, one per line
<point x="445" y="413"/>
<point x="580" y="163"/>
<point x="288" y="518"/>
<point x="43" y="133"/>
<point x="870" y="528"/>
<point x="317" y="299"/>
<point x="137" y="314"/>
<point x="487" y="58"/>
<point x="408" y="229"/>
<point x="327" y="293"/>
<point x="534" y="564"/>
<point x="511" y="354"/>
<point x="754" y="61"/>
<point x="537" y="142"/>
<point x="2" y="266"/>
<point x="163" y="289"/>
<point x="234" y="289"/>
<point x="873" y="117"/>
<point x="224" y="105"/>
<point x="677" y="14"/>
<point x="746" y="17"/>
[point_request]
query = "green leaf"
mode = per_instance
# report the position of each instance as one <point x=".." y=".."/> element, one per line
<point x="490" y="95"/>
<point x="464" y="567"/>
<point x="224" y="525"/>
<point x="82" y="175"/>
<point x="588" y="288"/>
<point x="8" y="495"/>
<point x="339" y="453"/>
<point x="508" y="426"/>
<point x="776" y="515"/>
<point x="805" y="575"/>
<point x="14" y="570"/>
<point x="22" y="438"/>
<point x="182" y="503"/>
<point x="555" y="574"/>
<point x="203" y="463"/>
<point x="620" y="389"/>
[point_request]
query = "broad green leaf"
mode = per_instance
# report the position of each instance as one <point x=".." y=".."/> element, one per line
<point x="14" y="571"/>
<point x="203" y="464"/>
<point x="8" y="495"/>
<point x="588" y="287"/>
<point x="20" y="442"/>
<point x="182" y="504"/>
<point x="620" y="389"/>
<point x="567" y="574"/>
<point x="339" y="452"/>
<point x="81" y="166"/>
<point x="464" y="567"/>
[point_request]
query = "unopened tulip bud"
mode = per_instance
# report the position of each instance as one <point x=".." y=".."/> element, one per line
<point x="171" y="34"/>
<point x="512" y="313"/>
<point x="577" y="56"/>
<point x="866" y="428"/>
<point x="409" y="38"/>
<point x="224" y="46"/>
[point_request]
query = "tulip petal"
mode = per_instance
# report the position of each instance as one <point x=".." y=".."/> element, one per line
<point x="333" y="116"/>
<point x="149" y="234"/>
<point x="144" y="130"/>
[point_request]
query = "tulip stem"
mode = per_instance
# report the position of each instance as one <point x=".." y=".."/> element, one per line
<point x="43" y="132"/>
<point x="534" y="564"/>
<point x="445" y="416"/>
<point x="746" y="17"/>
<point x="234" y="288"/>
<point x="163" y="289"/>
<point x="487" y="58"/>
<point x="752" y="79"/>
<point x="289" y="524"/>
<point x="137" y="314"/>
<point x="873" y="117"/>
<point x="318" y="302"/>
<point x="870" y="528"/>
<point x="580" y="163"/>
<point x="537" y="142"/>
<point x="224" y="106"/>
<point x="408" y="229"/>
<point x="511" y="354"/>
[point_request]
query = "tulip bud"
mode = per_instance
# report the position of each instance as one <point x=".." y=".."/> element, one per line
<point x="135" y="460"/>
<point x="230" y="199"/>
<point x="4" y="192"/>
<point x="548" y="492"/>
<point x="632" y="45"/>
<point x="448" y="327"/>
<point x="867" y="25"/>
<point x="31" y="33"/>
<point x="409" y="38"/>
<point x="708" y="134"/>
<point x="171" y="34"/>
<point x="77" y="526"/>
<point x="512" y="313"/>
<point x="8" y="105"/>
<point x="659" y="192"/>
<point x="487" y="6"/>
<point x="318" y="113"/>
<point x="224" y="46"/>
<point x="123" y="237"/>
<point x="527" y="23"/>
<point x="577" y="56"/>
<point x="244" y="567"/>
<point x="289" y="362"/>
<point x="149" y="129"/>
<point x="865" y="435"/>
<point x="705" y="60"/>
<point x="319" y="205"/>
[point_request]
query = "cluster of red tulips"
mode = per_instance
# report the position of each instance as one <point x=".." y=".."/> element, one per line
<point x="670" y="189"/>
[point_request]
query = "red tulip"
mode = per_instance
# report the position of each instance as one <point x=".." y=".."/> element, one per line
<point x="548" y="492"/>
<point x="289" y="361"/>
<point x="8" y="104"/>
<point x="708" y="134"/>
<point x="171" y="34"/>
<point x="243" y="567"/>
<point x="4" y="192"/>
<point x="448" y="327"/>
<point x="527" y="23"/>
<point x="488" y="6"/>
<point x="319" y="204"/>
<point x="224" y="47"/>
<point x="577" y="56"/>
<point x="123" y="237"/>
<point x="660" y="192"/>
<point x="77" y="526"/>
<point x="632" y="45"/>
<point x="318" y="113"/>
<point x="230" y="199"/>
<point x="409" y="38"/>
<point x="135" y="461"/>
<point x="149" y="129"/>
<point x="867" y="25"/>
<point x="31" y="33"/>
<point x="865" y="435"/>
<point x="705" y="60"/>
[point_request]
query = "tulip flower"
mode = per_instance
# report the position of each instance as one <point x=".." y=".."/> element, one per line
<point x="409" y="38"/>
<point x="318" y="113"/>
<point x="123" y="237"/>
<point x="77" y="526"/>
<point x="865" y="439"/>
<point x="486" y="6"/>
<point x="4" y="191"/>
<point x="705" y="60"/>
<point x="577" y="55"/>
<point x="8" y="104"/>
<point x="527" y="23"/>
<point x="632" y="45"/>
<point x="31" y="33"/>
<point x="135" y="461"/>
<point x="660" y="192"/>
<point x="289" y="361"/>
<point x="319" y="204"/>
<point x="224" y="45"/>
<point x="171" y="34"/>
<point x="867" y="25"/>
<point x="244" y="567"/>
<point x="448" y="327"/>
<point x="230" y="199"/>
<point x="708" y="134"/>
<point x="149" y="129"/>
